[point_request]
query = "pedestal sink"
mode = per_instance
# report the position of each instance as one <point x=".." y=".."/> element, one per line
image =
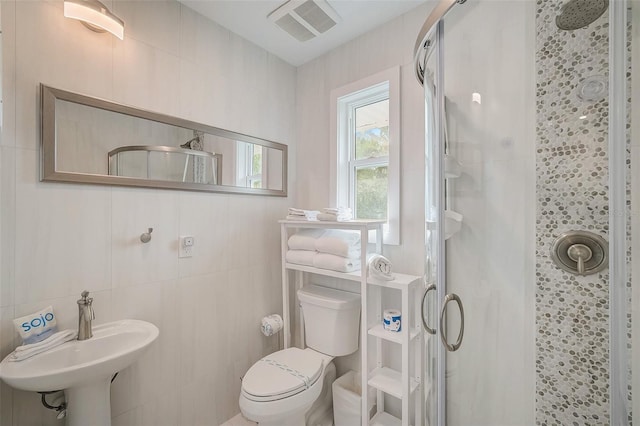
<point x="83" y="369"/>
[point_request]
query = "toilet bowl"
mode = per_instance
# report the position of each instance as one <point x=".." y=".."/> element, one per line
<point x="293" y="386"/>
<point x="280" y="389"/>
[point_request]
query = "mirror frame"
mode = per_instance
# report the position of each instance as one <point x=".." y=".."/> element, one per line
<point x="48" y="147"/>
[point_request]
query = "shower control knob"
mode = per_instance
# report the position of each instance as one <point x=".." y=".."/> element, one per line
<point x="580" y="252"/>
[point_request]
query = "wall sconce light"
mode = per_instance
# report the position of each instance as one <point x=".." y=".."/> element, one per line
<point x="95" y="16"/>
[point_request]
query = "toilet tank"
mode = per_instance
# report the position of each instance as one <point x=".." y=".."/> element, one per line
<point x="331" y="319"/>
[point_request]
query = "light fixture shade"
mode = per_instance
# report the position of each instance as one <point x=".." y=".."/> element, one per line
<point x="95" y="16"/>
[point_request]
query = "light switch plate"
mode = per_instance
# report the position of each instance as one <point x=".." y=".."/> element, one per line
<point x="186" y="246"/>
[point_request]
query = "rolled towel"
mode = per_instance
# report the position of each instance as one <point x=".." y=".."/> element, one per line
<point x="336" y="263"/>
<point x="340" y="243"/>
<point x="380" y="267"/>
<point x="301" y="257"/>
<point x="305" y="239"/>
<point x="27" y="351"/>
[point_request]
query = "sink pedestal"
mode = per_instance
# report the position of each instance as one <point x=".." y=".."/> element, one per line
<point x="89" y="404"/>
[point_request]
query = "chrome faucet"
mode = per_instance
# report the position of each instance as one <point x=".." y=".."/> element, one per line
<point x="86" y="315"/>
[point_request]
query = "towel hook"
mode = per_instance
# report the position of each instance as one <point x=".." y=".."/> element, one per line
<point x="146" y="237"/>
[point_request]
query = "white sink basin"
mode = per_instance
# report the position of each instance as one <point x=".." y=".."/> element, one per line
<point x="83" y="369"/>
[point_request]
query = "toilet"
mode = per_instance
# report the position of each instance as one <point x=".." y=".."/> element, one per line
<point x="292" y="387"/>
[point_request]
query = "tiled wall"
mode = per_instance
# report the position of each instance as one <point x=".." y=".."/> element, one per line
<point x="387" y="46"/>
<point x="58" y="239"/>
<point x="572" y="312"/>
<point x="491" y="261"/>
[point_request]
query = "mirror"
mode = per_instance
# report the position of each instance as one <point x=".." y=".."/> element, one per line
<point x="90" y="140"/>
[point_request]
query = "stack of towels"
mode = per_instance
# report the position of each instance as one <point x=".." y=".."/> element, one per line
<point x="325" y="249"/>
<point x="336" y="214"/>
<point x="27" y="351"/>
<point x="300" y="214"/>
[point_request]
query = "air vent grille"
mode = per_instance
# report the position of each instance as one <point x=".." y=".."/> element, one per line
<point x="295" y="28"/>
<point x="305" y="19"/>
<point x="316" y="17"/>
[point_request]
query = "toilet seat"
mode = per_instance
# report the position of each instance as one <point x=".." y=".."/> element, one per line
<point x="282" y="374"/>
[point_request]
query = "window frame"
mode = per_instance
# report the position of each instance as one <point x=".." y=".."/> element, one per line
<point x="244" y="165"/>
<point x="343" y="101"/>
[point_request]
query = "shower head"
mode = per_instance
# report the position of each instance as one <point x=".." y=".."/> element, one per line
<point x="576" y="14"/>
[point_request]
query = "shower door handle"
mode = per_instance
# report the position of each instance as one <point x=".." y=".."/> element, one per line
<point x="443" y="335"/>
<point x="422" y="314"/>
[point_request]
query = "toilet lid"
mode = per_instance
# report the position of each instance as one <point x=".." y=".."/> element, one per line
<point x="282" y="374"/>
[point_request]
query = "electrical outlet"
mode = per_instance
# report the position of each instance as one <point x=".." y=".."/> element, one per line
<point x="186" y="246"/>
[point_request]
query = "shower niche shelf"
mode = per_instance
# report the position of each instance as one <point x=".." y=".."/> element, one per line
<point x="380" y="377"/>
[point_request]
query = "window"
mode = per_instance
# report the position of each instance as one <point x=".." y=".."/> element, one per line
<point x="251" y="166"/>
<point x="365" y="151"/>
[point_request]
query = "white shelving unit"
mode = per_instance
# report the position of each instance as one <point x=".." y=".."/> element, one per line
<point x="405" y="383"/>
<point x="399" y="384"/>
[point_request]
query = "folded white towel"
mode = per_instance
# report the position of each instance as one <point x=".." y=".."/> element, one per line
<point x="340" y="243"/>
<point x="301" y="257"/>
<point x="336" y="263"/>
<point x="337" y="210"/>
<point x="309" y="214"/>
<point x="330" y="217"/>
<point x="27" y="351"/>
<point x="380" y="267"/>
<point x="305" y="239"/>
<point x="301" y="218"/>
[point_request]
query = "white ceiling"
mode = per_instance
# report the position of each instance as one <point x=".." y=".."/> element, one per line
<point x="248" y="18"/>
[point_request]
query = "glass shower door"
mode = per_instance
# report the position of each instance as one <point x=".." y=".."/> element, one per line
<point x="487" y="113"/>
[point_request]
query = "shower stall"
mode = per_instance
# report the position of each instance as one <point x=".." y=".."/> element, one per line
<point x="528" y="210"/>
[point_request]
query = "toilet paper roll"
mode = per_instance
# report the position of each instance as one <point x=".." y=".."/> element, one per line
<point x="392" y="320"/>
<point x="271" y="324"/>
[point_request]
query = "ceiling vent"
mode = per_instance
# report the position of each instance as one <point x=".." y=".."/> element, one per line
<point x="305" y="19"/>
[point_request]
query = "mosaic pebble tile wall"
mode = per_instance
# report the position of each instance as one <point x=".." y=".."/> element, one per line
<point x="572" y="313"/>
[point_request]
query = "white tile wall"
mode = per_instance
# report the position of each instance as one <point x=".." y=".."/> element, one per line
<point x="48" y="48"/>
<point x="496" y="193"/>
<point x="8" y="23"/>
<point x="389" y="45"/>
<point x="7" y="222"/>
<point x="146" y="76"/>
<point x="63" y="235"/>
<point x="58" y="239"/>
